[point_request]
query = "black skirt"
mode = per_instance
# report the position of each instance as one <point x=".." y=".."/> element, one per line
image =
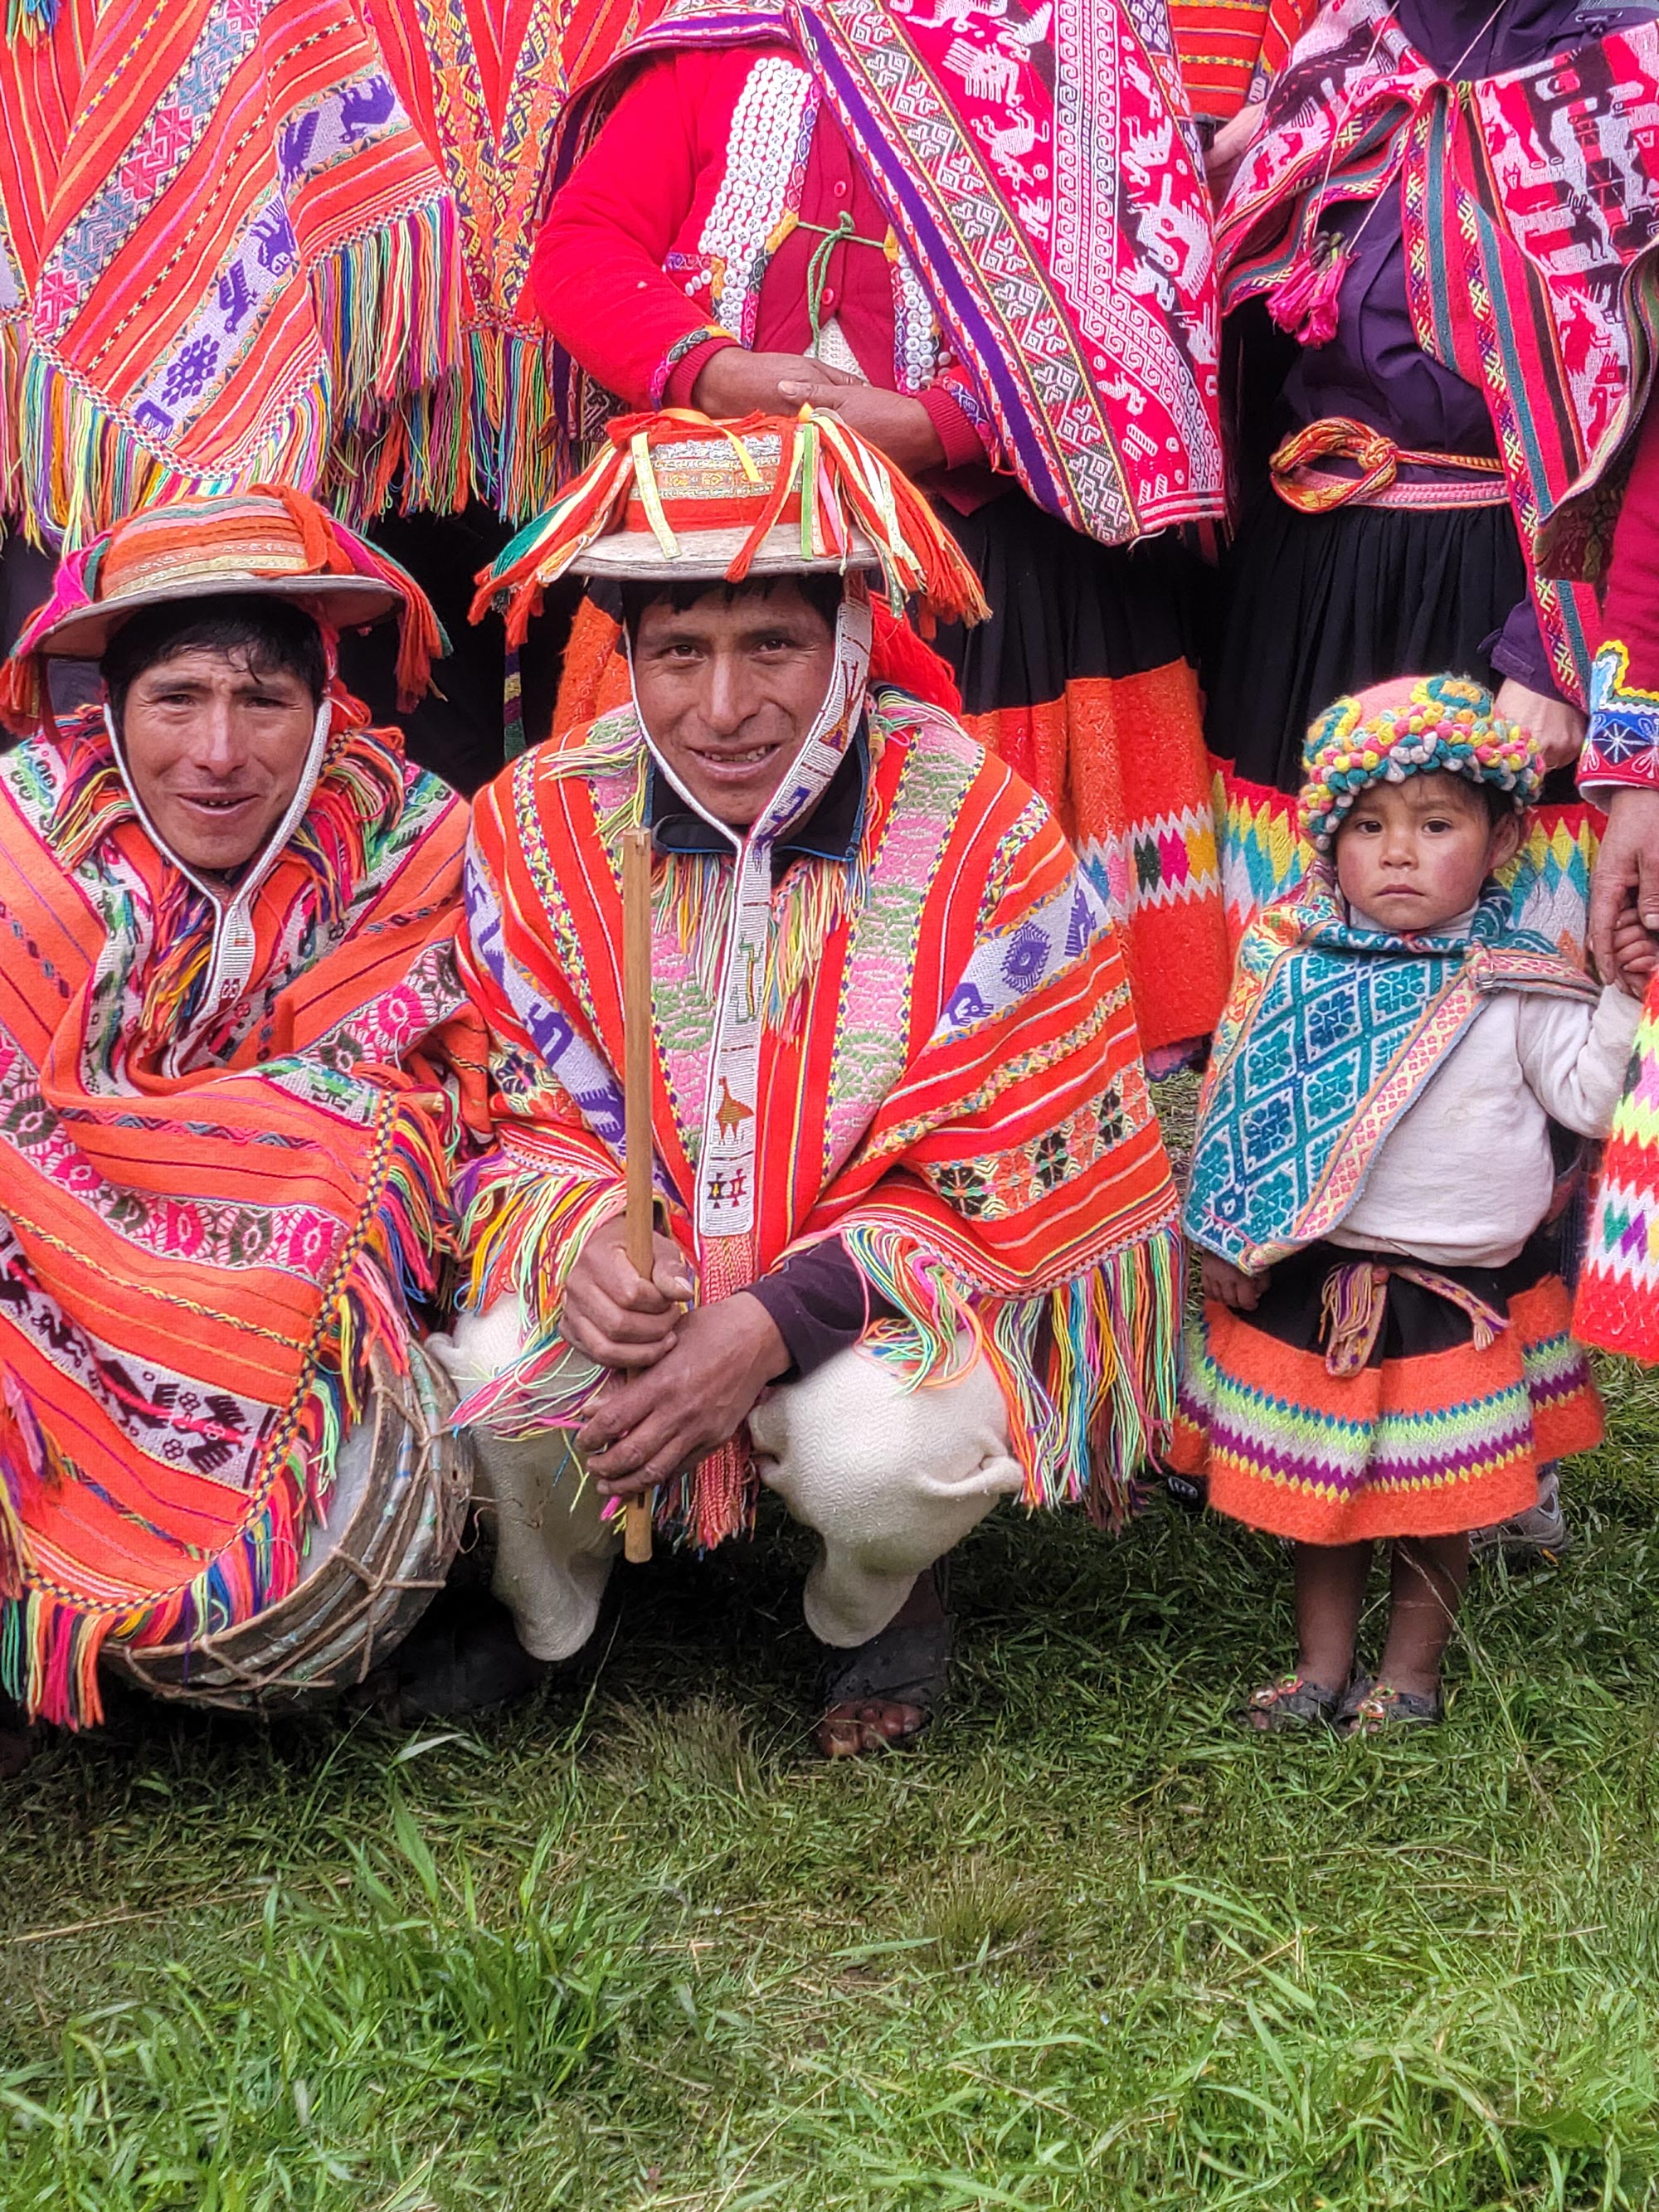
<point x="1085" y="681"/>
<point x="1316" y="605"/>
<point x="1064" y="606"/>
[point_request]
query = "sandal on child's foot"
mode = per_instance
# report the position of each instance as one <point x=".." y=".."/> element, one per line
<point x="1293" y="1703"/>
<point x="1370" y="1707"/>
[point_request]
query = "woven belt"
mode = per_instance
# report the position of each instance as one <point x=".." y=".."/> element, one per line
<point x="1312" y="490"/>
<point x="1356" y="1297"/>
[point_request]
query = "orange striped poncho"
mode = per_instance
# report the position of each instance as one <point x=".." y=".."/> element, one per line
<point x="222" y="242"/>
<point x="193" y="1265"/>
<point x="949" y="1079"/>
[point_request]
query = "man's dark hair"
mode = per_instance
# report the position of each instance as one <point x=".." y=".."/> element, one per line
<point x="268" y="636"/>
<point x="820" y="587"/>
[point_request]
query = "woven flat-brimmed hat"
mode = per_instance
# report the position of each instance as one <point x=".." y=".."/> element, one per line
<point x="271" y="544"/>
<point x="675" y="496"/>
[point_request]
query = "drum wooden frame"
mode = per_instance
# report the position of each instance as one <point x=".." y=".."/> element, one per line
<point x="377" y="1576"/>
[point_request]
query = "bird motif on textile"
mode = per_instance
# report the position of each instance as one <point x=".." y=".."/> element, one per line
<point x="731" y="1113"/>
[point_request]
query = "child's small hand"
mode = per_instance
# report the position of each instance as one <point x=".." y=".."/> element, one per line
<point x="1633" y="952"/>
<point x="1231" y="1285"/>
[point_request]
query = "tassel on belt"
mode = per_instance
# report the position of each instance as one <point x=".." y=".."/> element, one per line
<point x="1313" y="490"/>
<point x="1356" y="1297"/>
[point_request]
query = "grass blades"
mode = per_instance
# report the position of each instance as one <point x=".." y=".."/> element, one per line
<point x="629" y="1946"/>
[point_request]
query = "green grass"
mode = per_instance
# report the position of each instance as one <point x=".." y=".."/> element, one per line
<point x="630" y="1946"/>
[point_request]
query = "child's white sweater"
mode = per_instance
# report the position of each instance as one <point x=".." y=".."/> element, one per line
<point x="1465" y="1176"/>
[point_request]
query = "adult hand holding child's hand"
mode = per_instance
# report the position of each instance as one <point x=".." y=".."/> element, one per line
<point x="1633" y="954"/>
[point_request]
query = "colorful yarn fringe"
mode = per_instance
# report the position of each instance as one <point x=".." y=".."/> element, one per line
<point x="988" y="1148"/>
<point x="1087" y="1369"/>
<point x="196" y="1289"/>
<point x="50" y="1639"/>
<point x="233" y="246"/>
<point x="838" y="485"/>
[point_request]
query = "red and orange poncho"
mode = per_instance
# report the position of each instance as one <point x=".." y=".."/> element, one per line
<point x="948" y="1078"/>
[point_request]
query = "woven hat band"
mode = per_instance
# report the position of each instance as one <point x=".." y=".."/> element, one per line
<point x="199" y="541"/>
<point x="689" y="514"/>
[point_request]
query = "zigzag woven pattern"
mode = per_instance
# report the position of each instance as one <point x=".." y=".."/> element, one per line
<point x="1431" y="1445"/>
<point x="1618" y="1292"/>
<point x="1264" y="854"/>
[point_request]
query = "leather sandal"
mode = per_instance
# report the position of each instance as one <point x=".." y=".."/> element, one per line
<point x="907" y="1665"/>
<point x="1371" y="1708"/>
<point x="1292" y="1703"/>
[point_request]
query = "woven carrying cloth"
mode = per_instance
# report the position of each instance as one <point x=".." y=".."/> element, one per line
<point x="1329" y="1038"/>
<point x="197" y="1261"/>
<point x="1527" y="198"/>
<point x="945" y="1074"/>
<point x="222" y="239"/>
<point x="1038" y="178"/>
<point x="1617" y="1304"/>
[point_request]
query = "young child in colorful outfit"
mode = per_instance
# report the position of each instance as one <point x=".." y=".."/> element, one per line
<point x="1384" y="1351"/>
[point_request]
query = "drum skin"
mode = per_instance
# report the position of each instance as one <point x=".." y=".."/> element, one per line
<point x="373" y="1569"/>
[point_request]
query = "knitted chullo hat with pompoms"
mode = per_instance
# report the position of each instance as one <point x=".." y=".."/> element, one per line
<point x="1415" y="725"/>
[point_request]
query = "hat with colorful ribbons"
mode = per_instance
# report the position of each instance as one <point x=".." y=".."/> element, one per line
<point x="674" y="495"/>
<point x="271" y="542"/>
<point x="1415" y="725"/>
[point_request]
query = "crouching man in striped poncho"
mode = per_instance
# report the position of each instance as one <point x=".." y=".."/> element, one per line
<point x="914" y="1250"/>
<point x="235" y="1063"/>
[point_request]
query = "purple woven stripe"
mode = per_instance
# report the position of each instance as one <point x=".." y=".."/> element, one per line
<point x="1278" y="1462"/>
<point x="972" y="322"/>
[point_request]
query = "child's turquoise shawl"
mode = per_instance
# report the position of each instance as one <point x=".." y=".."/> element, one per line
<point x="1328" y="1038"/>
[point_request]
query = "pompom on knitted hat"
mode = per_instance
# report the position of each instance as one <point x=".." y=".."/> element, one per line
<point x="1414" y="725"/>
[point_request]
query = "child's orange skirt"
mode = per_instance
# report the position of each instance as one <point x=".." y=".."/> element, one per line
<point x="1438" y="1431"/>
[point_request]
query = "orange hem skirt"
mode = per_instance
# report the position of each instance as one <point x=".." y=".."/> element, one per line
<point x="1425" y="1441"/>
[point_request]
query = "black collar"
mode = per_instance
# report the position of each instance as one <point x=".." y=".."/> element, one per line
<point x="830" y="832"/>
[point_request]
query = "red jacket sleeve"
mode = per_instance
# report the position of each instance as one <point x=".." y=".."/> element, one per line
<point x="597" y="273"/>
<point x="1623" y="745"/>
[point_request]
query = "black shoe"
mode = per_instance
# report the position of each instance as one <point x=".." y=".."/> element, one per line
<point x="463" y="1658"/>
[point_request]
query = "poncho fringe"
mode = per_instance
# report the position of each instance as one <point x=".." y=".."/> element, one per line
<point x="1087" y="1366"/>
<point x="50" y="1640"/>
<point x="387" y="310"/>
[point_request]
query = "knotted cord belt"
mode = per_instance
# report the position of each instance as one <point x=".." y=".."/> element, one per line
<point x="1319" y="491"/>
<point x="1355" y="1298"/>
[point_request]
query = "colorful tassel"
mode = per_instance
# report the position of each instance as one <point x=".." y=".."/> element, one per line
<point x="843" y="485"/>
<point x="1305" y="300"/>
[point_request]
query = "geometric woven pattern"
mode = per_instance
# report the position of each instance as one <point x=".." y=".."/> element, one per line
<point x="1329" y="1038"/>
<point x="1619" y="1295"/>
<point x="1423" y="1446"/>
<point x="1263" y="854"/>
